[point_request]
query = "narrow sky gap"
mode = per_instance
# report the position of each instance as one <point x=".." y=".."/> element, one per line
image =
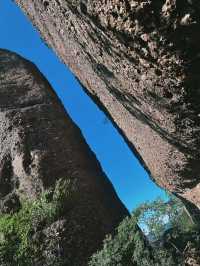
<point x="125" y="172"/>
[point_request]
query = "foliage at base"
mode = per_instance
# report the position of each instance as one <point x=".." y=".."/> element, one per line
<point x="129" y="248"/>
<point x="171" y="232"/>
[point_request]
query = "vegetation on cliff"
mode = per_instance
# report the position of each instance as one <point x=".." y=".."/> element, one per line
<point x="21" y="234"/>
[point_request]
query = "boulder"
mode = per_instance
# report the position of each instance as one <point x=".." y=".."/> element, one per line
<point x="40" y="148"/>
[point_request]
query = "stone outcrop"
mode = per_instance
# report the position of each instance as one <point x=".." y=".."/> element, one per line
<point x="39" y="146"/>
<point x="139" y="60"/>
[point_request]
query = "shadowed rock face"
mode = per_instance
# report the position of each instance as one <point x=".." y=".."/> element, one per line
<point x="139" y="60"/>
<point x="39" y="145"/>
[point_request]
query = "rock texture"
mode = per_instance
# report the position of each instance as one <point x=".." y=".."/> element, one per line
<point x="40" y="145"/>
<point x="139" y="60"/>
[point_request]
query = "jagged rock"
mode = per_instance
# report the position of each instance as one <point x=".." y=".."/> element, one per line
<point x="139" y="60"/>
<point x="40" y="145"/>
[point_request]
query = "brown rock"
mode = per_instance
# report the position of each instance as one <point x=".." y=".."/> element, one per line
<point x="40" y="145"/>
<point x="139" y="60"/>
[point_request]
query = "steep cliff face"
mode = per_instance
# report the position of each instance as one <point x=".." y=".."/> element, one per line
<point x="139" y="60"/>
<point x="39" y="147"/>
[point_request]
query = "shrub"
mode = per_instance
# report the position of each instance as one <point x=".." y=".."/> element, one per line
<point x="129" y="248"/>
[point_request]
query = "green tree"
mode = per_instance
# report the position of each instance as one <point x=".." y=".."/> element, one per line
<point x="157" y="216"/>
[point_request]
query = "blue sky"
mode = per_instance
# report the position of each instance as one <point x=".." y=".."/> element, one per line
<point x="125" y="172"/>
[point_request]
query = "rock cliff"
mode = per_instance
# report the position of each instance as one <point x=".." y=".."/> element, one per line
<point x="40" y="146"/>
<point x="139" y="60"/>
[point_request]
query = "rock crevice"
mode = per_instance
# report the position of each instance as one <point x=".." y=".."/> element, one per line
<point x="140" y="61"/>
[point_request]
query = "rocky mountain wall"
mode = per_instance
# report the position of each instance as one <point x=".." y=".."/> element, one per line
<point x="139" y="60"/>
<point x="40" y="146"/>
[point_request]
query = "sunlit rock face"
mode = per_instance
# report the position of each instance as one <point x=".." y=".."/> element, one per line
<point x="139" y="60"/>
<point x="39" y="145"/>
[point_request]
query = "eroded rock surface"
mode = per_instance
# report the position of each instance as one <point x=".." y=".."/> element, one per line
<point x="40" y="145"/>
<point x="139" y="60"/>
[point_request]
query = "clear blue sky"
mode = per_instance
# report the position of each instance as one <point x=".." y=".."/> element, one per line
<point x="127" y="175"/>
